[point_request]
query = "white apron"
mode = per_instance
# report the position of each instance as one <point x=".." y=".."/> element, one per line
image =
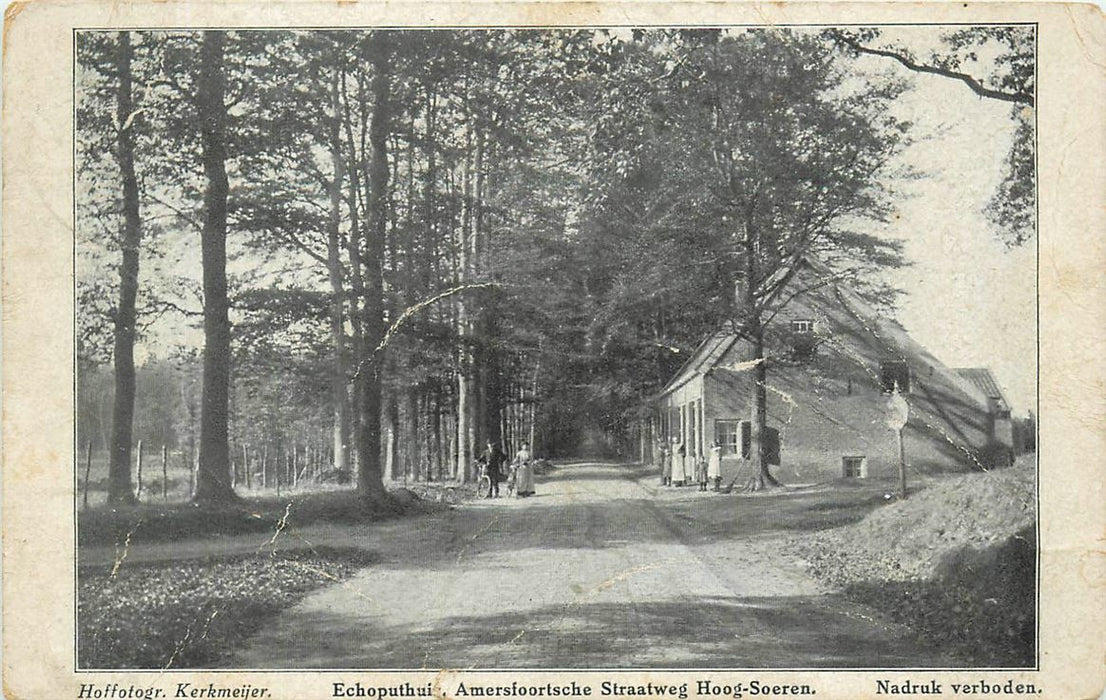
<point x="679" y="465"/>
<point x="714" y="463"/>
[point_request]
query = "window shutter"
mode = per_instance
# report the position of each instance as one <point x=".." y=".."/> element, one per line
<point x="771" y="438"/>
<point x="772" y="451"/>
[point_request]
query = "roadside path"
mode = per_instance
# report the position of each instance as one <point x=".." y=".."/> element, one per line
<point x="597" y="570"/>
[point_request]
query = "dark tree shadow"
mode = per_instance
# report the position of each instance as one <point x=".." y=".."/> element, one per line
<point x="698" y="632"/>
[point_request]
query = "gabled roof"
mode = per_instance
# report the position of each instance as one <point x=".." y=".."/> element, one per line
<point x="983" y="380"/>
<point x="948" y="409"/>
<point x="705" y="356"/>
<point x="716" y="345"/>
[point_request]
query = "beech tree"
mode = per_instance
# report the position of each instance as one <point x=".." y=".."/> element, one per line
<point x="213" y="479"/>
<point x="370" y="482"/>
<point x="113" y="131"/>
<point x="300" y="217"/>
<point x="122" y="421"/>
<point x="750" y="161"/>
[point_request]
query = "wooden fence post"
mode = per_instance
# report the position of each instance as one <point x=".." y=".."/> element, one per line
<point x="191" y="466"/>
<point x="138" y="492"/>
<point x="164" y="473"/>
<point x="87" y="470"/>
<point x="902" y="466"/>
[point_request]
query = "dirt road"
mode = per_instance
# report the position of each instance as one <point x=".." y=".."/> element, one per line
<point x="599" y="569"/>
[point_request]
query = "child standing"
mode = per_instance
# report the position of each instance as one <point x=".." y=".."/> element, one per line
<point x="701" y="473"/>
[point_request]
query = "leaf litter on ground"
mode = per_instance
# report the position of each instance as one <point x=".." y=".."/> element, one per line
<point x="188" y="614"/>
<point x="956" y="561"/>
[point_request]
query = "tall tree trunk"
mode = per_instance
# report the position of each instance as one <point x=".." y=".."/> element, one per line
<point x="505" y="431"/>
<point x="338" y="391"/>
<point x="122" y="423"/>
<point x="213" y="477"/>
<point x="534" y="402"/>
<point x="492" y="384"/>
<point x="754" y="330"/>
<point x="370" y="482"/>
<point x="450" y="441"/>
<point x="520" y="412"/>
<point x="485" y="425"/>
<point x="413" y="435"/>
<point x="353" y="251"/>
<point x="466" y="445"/>
<point x="436" y="429"/>
<point x="425" y="280"/>
<point x="391" y="451"/>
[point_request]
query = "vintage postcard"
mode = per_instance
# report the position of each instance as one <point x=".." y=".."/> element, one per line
<point x="454" y="350"/>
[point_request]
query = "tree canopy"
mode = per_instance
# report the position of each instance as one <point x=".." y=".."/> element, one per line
<point x="416" y="241"/>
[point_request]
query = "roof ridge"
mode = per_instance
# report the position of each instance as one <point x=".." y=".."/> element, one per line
<point x="724" y="336"/>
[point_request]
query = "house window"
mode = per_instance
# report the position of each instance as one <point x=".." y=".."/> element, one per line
<point x="854" y="467"/>
<point x="732" y="433"/>
<point x="726" y="433"/>
<point x="803" y="342"/>
<point x="892" y="374"/>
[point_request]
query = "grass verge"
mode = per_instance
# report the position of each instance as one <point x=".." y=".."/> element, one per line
<point x="169" y="522"/>
<point x="189" y="614"/>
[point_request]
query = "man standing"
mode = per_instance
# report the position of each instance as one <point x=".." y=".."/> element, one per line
<point x="494" y="458"/>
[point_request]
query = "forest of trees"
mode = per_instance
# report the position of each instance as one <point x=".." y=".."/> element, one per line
<point x="413" y="242"/>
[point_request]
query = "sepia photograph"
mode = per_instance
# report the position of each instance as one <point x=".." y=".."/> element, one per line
<point x="605" y="347"/>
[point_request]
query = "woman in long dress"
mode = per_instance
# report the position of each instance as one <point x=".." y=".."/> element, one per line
<point x="679" y="470"/>
<point x="524" y="472"/>
<point x="714" y="465"/>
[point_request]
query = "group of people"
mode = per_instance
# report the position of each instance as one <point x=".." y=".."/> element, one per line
<point x="493" y="461"/>
<point x="678" y="468"/>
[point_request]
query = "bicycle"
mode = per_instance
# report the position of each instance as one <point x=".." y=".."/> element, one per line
<point x="484" y="482"/>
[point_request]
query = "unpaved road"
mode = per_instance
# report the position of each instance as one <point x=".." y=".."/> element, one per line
<point x="598" y="570"/>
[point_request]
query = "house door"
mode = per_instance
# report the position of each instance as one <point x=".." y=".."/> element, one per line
<point x="693" y="429"/>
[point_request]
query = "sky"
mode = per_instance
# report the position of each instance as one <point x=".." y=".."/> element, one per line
<point x="968" y="298"/>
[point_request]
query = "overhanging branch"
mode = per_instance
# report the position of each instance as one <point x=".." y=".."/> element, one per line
<point x="411" y="311"/>
<point x="1020" y="97"/>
